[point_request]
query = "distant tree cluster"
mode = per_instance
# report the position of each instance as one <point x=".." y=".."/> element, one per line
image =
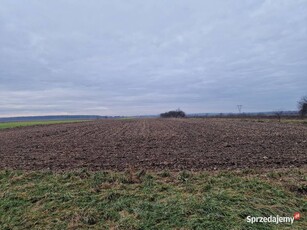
<point x="177" y="113"/>
<point x="302" y="106"/>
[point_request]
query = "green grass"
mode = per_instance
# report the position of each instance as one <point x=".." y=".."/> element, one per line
<point x="282" y="121"/>
<point x="297" y="121"/>
<point x="6" y="125"/>
<point x="294" y="121"/>
<point x="161" y="200"/>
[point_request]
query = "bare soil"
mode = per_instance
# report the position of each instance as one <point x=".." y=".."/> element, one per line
<point x="175" y="144"/>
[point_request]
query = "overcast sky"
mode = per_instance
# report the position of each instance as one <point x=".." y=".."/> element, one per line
<point x="134" y="57"/>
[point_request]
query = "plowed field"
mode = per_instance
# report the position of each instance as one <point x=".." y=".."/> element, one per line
<point x="155" y="144"/>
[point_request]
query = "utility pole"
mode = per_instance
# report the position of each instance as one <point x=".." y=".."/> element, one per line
<point x="239" y="108"/>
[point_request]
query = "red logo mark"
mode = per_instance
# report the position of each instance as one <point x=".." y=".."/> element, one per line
<point x="297" y="216"/>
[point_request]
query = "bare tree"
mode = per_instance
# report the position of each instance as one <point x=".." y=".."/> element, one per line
<point x="278" y="114"/>
<point x="302" y="106"/>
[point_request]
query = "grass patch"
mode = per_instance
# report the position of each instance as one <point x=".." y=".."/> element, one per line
<point x="7" y="125"/>
<point x="283" y="120"/>
<point x="144" y="200"/>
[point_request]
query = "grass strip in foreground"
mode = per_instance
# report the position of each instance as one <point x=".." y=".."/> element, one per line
<point x="144" y="200"/>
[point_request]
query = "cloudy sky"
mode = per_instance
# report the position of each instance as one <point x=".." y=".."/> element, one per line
<point x="131" y="57"/>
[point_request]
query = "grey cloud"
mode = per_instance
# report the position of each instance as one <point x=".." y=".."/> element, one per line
<point x="142" y="57"/>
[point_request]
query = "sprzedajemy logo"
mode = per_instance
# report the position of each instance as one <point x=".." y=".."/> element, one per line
<point x="273" y="219"/>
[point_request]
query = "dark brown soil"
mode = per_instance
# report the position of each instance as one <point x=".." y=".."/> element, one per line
<point x="195" y="144"/>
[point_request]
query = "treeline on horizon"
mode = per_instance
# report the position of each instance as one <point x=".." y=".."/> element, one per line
<point x="285" y="114"/>
<point x="174" y="113"/>
<point x="301" y="113"/>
